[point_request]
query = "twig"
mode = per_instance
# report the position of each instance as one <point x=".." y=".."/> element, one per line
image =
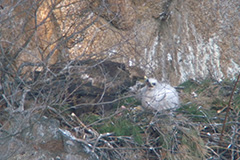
<point x="101" y="103"/>
<point x="90" y="130"/>
<point x="228" y="108"/>
<point x="233" y="143"/>
<point x="5" y="98"/>
<point x="78" y="120"/>
<point x="21" y="106"/>
<point x="99" y="137"/>
<point x="154" y="150"/>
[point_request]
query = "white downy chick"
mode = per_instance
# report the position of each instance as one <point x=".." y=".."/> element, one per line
<point x="159" y="96"/>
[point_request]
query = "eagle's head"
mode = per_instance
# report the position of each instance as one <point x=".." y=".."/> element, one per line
<point x="151" y="82"/>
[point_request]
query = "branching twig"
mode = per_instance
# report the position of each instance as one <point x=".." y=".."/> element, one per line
<point x="99" y="137"/>
<point x="228" y="108"/>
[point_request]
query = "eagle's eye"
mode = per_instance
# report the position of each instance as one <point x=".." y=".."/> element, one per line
<point x="154" y="84"/>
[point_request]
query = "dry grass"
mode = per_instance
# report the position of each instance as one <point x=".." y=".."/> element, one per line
<point x="191" y="132"/>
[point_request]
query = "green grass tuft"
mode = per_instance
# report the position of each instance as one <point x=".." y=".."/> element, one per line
<point x="189" y="86"/>
<point x="121" y="127"/>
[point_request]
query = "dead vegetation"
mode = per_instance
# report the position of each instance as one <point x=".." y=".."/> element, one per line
<point x="119" y="131"/>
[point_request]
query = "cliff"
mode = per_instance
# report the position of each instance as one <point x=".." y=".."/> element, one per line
<point x="173" y="40"/>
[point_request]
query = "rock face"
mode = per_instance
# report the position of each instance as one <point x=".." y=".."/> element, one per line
<point x="38" y="138"/>
<point x="199" y="40"/>
<point x="173" y="40"/>
<point x="170" y="40"/>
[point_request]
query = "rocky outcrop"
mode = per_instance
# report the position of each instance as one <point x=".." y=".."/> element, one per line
<point x="199" y="40"/>
<point x="83" y="86"/>
<point x="171" y="40"/>
<point x="38" y="138"/>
